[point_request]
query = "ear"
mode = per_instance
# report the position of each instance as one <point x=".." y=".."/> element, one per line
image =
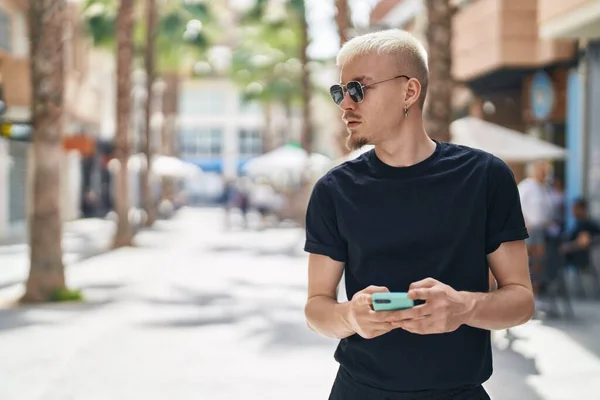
<point x="413" y="91"/>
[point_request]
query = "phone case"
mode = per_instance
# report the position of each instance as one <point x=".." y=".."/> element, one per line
<point x="391" y="301"/>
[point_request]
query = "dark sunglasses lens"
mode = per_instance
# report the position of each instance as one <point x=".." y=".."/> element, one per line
<point x="355" y="91"/>
<point x="337" y="94"/>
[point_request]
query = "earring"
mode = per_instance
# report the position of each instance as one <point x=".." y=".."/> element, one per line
<point x="405" y="111"/>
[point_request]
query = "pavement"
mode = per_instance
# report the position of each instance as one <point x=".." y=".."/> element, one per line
<point x="197" y="312"/>
<point x="82" y="239"/>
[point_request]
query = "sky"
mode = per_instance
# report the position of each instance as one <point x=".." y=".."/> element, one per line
<point x="323" y="31"/>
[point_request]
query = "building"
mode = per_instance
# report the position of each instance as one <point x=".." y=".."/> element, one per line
<point x="533" y="66"/>
<point x="85" y="100"/>
<point x="15" y="97"/>
<point x="219" y="132"/>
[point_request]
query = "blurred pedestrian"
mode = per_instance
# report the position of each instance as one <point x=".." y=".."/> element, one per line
<point x="537" y="203"/>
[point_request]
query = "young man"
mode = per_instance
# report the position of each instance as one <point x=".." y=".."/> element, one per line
<point x="412" y="215"/>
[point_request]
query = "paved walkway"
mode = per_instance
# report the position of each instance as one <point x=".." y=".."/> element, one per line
<point x="82" y="238"/>
<point x="193" y="312"/>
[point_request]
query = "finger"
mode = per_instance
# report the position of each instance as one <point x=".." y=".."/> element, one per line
<point x="364" y="299"/>
<point x="421" y="293"/>
<point x="379" y="316"/>
<point x="425" y="283"/>
<point x="375" y="289"/>
<point x="416" y="312"/>
<point x="422" y="326"/>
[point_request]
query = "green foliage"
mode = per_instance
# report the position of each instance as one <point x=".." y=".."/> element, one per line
<point x="265" y="62"/>
<point x="173" y="16"/>
<point x="101" y="18"/>
<point x="61" y="295"/>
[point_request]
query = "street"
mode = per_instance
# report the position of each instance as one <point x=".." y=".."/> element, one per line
<point x="196" y="312"/>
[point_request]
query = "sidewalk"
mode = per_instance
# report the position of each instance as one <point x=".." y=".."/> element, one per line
<point x="193" y="312"/>
<point x="82" y="238"/>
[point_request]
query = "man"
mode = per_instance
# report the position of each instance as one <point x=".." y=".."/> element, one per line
<point x="412" y="215"/>
<point x="537" y="203"/>
<point x="580" y="239"/>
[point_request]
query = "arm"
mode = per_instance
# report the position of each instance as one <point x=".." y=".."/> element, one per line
<point x="339" y="320"/>
<point x="323" y="312"/>
<point x="513" y="303"/>
<point x="446" y="309"/>
<point x="581" y="242"/>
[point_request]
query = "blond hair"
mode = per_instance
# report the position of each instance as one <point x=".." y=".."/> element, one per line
<point x="411" y="53"/>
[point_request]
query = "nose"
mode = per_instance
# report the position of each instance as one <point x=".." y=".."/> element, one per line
<point x="347" y="103"/>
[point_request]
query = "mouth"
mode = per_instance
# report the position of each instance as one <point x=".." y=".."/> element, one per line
<point x="352" y="124"/>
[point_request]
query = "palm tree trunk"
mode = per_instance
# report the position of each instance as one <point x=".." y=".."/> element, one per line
<point x="124" y="235"/>
<point x="306" y="133"/>
<point x="438" y="113"/>
<point x="342" y="20"/>
<point x="46" y="22"/>
<point x="150" y="56"/>
<point x="268" y="136"/>
<point x="169" y="139"/>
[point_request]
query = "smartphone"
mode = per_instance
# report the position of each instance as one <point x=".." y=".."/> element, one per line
<point x="391" y="301"/>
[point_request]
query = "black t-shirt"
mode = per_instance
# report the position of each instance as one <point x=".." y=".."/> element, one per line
<point x="392" y="226"/>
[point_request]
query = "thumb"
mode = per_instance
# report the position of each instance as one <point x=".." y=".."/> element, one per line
<point x="364" y="296"/>
<point x="375" y="289"/>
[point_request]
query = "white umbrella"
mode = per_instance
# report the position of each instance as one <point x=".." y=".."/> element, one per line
<point x="507" y="144"/>
<point x="173" y="167"/>
<point x="286" y="160"/>
<point x="354" y="154"/>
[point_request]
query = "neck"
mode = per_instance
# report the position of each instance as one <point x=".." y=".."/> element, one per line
<point x="407" y="146"/>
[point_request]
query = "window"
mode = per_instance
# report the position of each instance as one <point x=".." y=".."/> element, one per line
<point x="5" y="31"/>
<point x="250" y="143"/>
<point x="201" y="142"/>
<point x="193" y="102"/>
<point x="250" y="107"/>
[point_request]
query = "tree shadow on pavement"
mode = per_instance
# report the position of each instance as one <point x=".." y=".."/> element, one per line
<point x="21" y="316"/>
<point x="511" y="370"/>
<point x="282" y="335"/>
<point x="5" y="285"/>
<point x="188" y="296"/>
<point x="278" y="325"/>
<point x="196" y="322"/>
<point x="261" y="285"/>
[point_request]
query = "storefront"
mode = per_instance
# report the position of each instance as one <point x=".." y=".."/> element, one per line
<point x="593" y="127"/>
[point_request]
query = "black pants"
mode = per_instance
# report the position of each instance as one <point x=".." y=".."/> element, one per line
<point x="344" y="388"/>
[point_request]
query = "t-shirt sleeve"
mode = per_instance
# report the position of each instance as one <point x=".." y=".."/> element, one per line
<point x="322" y="233"/>
<point x="505" y="222"/>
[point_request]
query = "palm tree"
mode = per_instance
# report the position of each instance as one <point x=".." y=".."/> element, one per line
<point x="164" y="49"/>
<point x="287" y="33"/>
<point x="149" y="61"/>
<point x="306" y="136"/>
<point x="343" y="23"/>
<point x="438" y="112"/>
<point x="124" y="32"/>
<point x="47" y="19"/>
<point x="266" y="68"/>
<point x="170" y="39"/>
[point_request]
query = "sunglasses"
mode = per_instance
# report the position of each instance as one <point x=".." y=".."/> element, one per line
<point x="355" y="89"/>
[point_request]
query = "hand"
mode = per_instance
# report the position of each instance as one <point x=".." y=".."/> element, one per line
<point x="362" y="319"/>
<point x="445" y="309"/>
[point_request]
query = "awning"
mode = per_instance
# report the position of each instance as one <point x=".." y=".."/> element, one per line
<point x="507" y="144"/>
